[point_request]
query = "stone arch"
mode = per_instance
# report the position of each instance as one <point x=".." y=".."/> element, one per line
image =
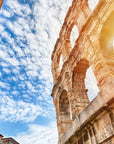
<point x="91" y="84"/>
<point x="79" y="73"/>
<point x="79" y="98"/>
<point x="74" y="35"/>
<point x="71" y="27"/>
<point x="59" y="63"/>
<point x="64" y="112"/>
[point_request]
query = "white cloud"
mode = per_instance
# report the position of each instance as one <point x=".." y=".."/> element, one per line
<point x="18" y="8"/>
<point x="6" y="70"/>
<point x="11" y="110"/>
<point x="1" y="28"/>
<point x="3" y="85"/>
<point x="38" y="134"/>
<point x="6" y="13"/>
<point x="0" y="74"/>
<point x="30" y="86"/>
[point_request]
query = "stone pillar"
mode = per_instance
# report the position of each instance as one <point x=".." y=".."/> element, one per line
<point x="66" y="49"/>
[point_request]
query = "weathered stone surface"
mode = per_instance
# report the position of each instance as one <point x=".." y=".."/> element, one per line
<point x="80" y="121"/>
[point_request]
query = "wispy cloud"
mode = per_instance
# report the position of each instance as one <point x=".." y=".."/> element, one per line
<point x="11" y="110"/>
<point x="39" y="134"/>
<point x="29" y="30"/>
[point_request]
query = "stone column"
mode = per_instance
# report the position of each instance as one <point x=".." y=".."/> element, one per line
<point x="66" y="49"/>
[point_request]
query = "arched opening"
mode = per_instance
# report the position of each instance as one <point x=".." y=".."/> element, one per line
<point x="91" y="84"/>
<point x="64" y="112"/>
<point x="60" y="62"/>
<point x="74" y="35"/>
<point x="57" y="67"/>
<point x="107" y="37"/>
<point x="79" y="74"/>
<point x="92" y="4"/>
<point x="80" y="98"/>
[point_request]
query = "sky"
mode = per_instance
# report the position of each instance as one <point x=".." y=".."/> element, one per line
<point x="28" y="32"/>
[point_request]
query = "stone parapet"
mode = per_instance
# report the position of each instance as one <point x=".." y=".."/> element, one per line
<point x="98" y="114"/>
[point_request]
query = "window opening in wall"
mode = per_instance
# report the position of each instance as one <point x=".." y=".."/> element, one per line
<point x="74" y="35"/>
<point x="92" y="4"/>
<point x="70" y="114"/>
<point x="91" y="84"/>
<point x="80" y="98"/>
<point x="60" y="62"/>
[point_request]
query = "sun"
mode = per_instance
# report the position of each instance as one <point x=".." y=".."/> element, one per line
<point x="107" y="37"/>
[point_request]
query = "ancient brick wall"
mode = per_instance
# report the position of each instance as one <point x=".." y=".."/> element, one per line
<point x="94" y="47"/>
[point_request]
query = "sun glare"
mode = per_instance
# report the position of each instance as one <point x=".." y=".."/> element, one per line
<point x="107" y="36"/>
<point x="113" y="45"/>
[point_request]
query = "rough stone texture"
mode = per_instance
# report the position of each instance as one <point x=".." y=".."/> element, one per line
<point x="80" y="121"/>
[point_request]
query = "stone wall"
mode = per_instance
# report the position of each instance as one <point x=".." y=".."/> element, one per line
<point x="92" y="48"/>
<point x="95" y="124"/>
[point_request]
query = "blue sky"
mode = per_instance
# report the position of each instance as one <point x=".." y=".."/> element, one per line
<point x="29" y="30"/>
